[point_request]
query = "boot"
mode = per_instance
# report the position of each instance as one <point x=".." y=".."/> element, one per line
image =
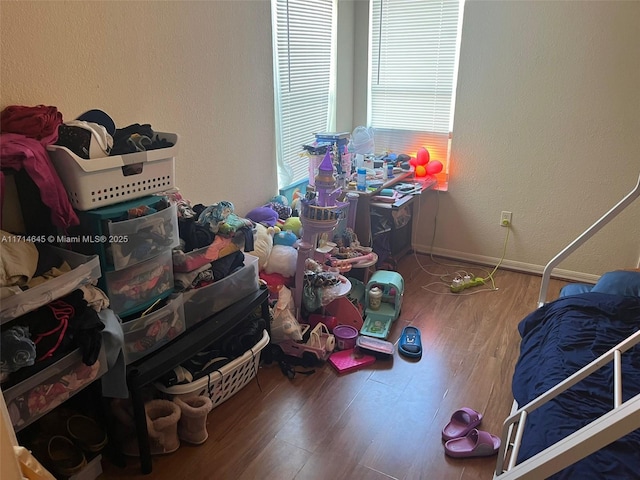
<point x="162" y="421"/>
<point x="192" y="427"/>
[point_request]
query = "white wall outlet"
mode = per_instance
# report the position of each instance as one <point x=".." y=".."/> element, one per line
<point x="505" y="219"/>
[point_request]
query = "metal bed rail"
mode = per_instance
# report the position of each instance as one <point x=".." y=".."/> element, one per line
<point x="622" y="419"/>
<point x="588" y="233"/>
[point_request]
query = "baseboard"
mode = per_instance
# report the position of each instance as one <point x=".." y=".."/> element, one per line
<point x="507" y="264"/>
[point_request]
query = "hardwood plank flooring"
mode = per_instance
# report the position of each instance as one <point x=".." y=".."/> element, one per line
<point x="379" y="423"/>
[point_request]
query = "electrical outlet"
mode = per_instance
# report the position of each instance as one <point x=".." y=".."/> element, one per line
<point x="505" y="219"/>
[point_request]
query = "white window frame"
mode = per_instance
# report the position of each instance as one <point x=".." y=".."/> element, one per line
<point x="304" y="64"/>
<point x="411" y="100"/>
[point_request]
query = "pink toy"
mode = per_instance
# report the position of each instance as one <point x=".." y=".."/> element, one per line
<point x="318" y="347"/>
<point x="343" y="263"/>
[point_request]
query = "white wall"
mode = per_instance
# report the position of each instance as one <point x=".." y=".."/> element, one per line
<point x="201" y="69"/>
<point x="547" y="114"/>
<point x="546" y="126"/>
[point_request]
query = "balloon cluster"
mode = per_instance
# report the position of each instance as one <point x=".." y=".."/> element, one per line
<point x="422" y="166"/>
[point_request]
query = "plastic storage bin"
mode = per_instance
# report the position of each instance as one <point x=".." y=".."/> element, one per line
<point x="189" y="261"/>
<point x="148" y="333"/>
<point x="156" y="232"/>
<point x="184" y="262"/>
<point x="44" y="391"/>
<point x="201" y="303"/>
<point x="104" y="181"/>
<point x="225" y="382"/>
<point x="122" y="243"/>
<point x="85" y="270"/>
<point x="136" y="288"/>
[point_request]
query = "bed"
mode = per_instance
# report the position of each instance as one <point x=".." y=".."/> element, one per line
<point x="576" y="383"/>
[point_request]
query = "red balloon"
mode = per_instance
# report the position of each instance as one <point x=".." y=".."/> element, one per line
<point x="423" y="156"/>
<point x="434" y="167"/>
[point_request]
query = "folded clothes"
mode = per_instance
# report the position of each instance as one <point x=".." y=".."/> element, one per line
<point x="18" y="350"/>
<point x="58" y="328"/>
<point x="18" y="261"/>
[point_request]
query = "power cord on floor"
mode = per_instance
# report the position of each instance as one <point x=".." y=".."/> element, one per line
<point x="460" y="280"/>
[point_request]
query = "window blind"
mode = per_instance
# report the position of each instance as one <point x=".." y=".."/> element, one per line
<point x="304" y="70"/>
<point x="413" y="68"/>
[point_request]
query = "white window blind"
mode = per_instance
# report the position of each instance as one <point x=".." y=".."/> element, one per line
<point x="413" y="67"/>
<point x="304" y="70"/>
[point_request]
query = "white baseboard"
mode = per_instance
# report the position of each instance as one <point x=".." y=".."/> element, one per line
<point x="507" y="264"/>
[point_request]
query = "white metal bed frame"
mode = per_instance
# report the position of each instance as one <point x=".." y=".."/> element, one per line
<point x="623" y="418"/>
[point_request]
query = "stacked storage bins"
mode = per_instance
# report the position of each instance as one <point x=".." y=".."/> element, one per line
<point x="138" y="270"/>
<point x="43" y="391"/>
<point x="203" y="302"/>
<point x="133" y="232"/>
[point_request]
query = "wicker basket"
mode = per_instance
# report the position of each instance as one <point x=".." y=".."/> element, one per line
<point x="224" y="382"/>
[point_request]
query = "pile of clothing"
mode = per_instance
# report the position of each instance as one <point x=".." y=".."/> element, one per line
<point x="212" y="239"/>
<point x="49" y="332"/>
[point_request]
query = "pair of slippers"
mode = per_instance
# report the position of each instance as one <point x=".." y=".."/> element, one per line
<point x="463" y="439"/>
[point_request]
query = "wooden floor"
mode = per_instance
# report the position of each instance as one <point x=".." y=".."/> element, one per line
<point x="382" y="422"/>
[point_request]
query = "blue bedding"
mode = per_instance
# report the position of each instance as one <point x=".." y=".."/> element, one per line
<point x="558" y="339"/>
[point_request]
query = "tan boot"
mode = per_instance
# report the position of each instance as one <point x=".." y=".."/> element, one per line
<point x="192" y="427"/>
<point x="162" y="426"/>
<point x="164" y="416"/>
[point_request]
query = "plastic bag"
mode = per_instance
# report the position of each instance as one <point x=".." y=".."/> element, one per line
<point x="284" y="325"/>
<point x="362" y="140"/>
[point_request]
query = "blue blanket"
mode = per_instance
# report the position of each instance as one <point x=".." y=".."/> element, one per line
<point x="557" y="340"/>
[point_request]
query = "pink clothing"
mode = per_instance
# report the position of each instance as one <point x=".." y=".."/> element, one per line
<point x="26" y="131"/>
<point x="40" y="122"/>
<point x="18" y="152"/>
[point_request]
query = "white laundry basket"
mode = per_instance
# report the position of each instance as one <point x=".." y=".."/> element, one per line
<point x="97" y="182"/>
<point x="225" y="382"/>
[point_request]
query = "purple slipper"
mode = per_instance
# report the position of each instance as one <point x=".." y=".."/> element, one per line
<point x="462" y="422"/>
<point x="477" y="443"/>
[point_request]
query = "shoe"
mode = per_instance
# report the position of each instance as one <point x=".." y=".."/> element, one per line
<point x="86" y="433"/>
<point x="476" y="443"/>
<point x="162" y="418"/>
<point x="410" y="344"/>
<point x="461" y="423"/>
<point x="65" y="457"/>
<point x="192" y="427"/>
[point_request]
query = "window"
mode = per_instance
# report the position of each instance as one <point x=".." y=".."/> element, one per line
<point x="413" y="56"/>
<point x="304" y="71"/>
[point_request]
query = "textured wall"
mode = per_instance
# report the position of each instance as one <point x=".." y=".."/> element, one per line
<point x="201" y="69"/>
<point x="546" y="126"/>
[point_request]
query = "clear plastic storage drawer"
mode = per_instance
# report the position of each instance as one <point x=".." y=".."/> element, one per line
<point x="85" y="270"/>
<point x="201" y="303"/>
<point x="146" y="334"/>
<point x="137" y="287"/>
<point x="135" y="240"/>
<point x="39" y="394"/>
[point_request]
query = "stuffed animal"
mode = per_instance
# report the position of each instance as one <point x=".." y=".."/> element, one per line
<point x="294" y="224"/>
<point x="262" y="244"/>
<point x="265" y="215"/>
<point x="284" y="256"/>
